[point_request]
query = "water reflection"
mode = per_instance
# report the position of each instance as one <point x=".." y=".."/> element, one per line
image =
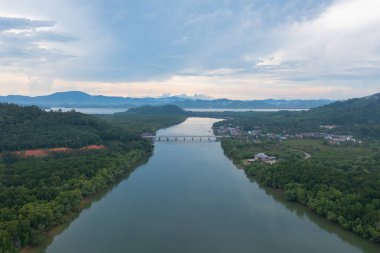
<point x="305" y="213"/>
<point x="190" y="198"/>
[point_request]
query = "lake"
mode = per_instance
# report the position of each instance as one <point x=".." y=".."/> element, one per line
<point x="189" y="197"/>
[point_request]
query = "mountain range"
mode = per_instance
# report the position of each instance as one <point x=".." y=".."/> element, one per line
<point x="78" y="99"/>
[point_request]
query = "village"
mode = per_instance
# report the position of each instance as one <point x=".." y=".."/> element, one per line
<point x="257" y="134"/>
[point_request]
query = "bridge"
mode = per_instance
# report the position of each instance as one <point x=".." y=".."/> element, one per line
<point x="185" y="137"/>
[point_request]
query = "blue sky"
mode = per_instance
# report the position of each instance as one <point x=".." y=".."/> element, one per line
<point x="236" y="49"/>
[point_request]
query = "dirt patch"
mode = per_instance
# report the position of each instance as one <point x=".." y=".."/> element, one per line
<point x="93" y="147"/>
<point x="46" y="152"/>
<point x="32" y="152"/>
<point x="60" y="150"/>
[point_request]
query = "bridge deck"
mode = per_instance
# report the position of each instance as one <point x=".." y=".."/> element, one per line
<point x="184" y="137"/>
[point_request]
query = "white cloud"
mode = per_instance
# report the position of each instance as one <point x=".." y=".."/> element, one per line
<point x="342" y="42"/>
<point x="222" y="72"/>
<point x="274" y="59"/>
<point x="47" y="38"/>
<point x="237" y="49"/>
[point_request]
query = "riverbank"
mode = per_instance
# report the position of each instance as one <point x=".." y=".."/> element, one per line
<point x="49" y="234"/>
<point x="153" y="123"/>
<point x="56" y="230"/>
<point x="169" y="203"/>
<point x="305" y="181"/>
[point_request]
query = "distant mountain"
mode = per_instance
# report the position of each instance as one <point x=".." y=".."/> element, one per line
<point x="155" y="110"/>
<point x="78" y="99"/>
<point x="186" y="96"/>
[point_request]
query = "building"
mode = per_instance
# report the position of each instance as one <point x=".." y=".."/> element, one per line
<point x="328" y="126"/>
<point x="263" y="156"/>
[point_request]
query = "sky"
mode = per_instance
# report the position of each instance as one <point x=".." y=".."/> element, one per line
<point x="237" y="49"/>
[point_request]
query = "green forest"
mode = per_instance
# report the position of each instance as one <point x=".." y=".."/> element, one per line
<point x="359" y="117"/>
<point x="37" y="193"/>
<point x="340" y="182"/>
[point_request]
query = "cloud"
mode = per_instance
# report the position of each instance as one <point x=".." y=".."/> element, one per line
<point x="10" y="23"/>
<point x="274" y="59"/>
<point x="31" y="47"/>
<point x="343" y="42"/>
<point x="23" y="40"/>
<point x="242" y="48"/>
<point x="222" y="72"/>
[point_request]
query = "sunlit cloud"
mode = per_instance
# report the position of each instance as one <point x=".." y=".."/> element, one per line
<point x="241" y="49"/>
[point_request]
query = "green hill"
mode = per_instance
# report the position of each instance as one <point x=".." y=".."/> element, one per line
<point x="30" y="128"/>
<point x="156" y="110"/>
<point x="37" y="193"/>
<point x="359" y="117"/>
<point x="337" y="180"/>
<point x="365" y="110"/>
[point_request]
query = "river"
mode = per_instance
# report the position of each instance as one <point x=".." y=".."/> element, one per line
<point x="189" y="197"/>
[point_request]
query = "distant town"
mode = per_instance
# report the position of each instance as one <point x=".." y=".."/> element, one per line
<point x="257" y="134"/>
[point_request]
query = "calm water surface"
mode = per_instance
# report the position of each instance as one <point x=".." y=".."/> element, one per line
<point x="190" y="198"/>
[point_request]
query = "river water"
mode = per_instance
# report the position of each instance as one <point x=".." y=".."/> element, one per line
<point x="189" y="197"/>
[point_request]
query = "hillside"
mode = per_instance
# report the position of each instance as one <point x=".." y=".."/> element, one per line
<point x="365" y="110"/>
<point x="338" y="180"/>
<point x="31" y="128"/>
<point x="359" y="117"/>
<point x="65" y="158"/>
<point x="156" y="110"/>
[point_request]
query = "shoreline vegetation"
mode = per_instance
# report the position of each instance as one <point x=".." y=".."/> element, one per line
<point x="50" y="233"/>
<point x="41" y="195"/>
<point x="339" y="183"/>
<point x="146" y="123"/>
<point x="340" y="179"/>
<point x="323" y="199"/>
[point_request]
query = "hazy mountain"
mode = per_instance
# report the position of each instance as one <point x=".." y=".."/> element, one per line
<point x="80" y="100"/>
<point x="186" y="96"/>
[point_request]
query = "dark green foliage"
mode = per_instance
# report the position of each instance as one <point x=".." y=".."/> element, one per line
<point x="137" y="124"/>
<point x="364" y="110"/>
<point x="359" y="117"/>
<point x="155" y="110"/>
<point x="31" y="128"/>
<point x="38" y="193"/>
<point x="341" y="183"/>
